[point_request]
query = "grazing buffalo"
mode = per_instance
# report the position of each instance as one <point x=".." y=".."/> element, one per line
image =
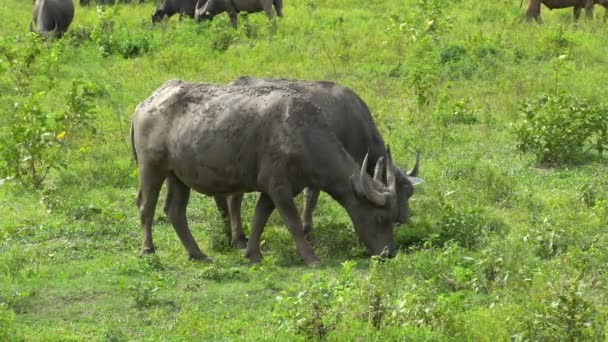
<point x="577" y="5"/>
<point x="52" y="17"/>
<point x="206" y="10"/>
<point x="350" y="119"/>
<point x="220" y="140"/>
<point x="170" y="7"/>
<point x="109" y="2"/>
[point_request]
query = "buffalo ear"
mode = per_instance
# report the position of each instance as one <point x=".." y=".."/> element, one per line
<point x="415" y="180"/>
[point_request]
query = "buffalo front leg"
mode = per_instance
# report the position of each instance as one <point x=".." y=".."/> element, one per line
<point x="589" y="9"/>
<point x="176" y="202"/>
<point x="234" y="207"/>
<point x="287" y="208"/>
<point x="576" y="12"/>
<point x="311" y="196"/>
<point x="150" y="182"/>
<point x="267" y="6"/>
<point x="233" y="19"/>
<point x="534" y="10"/>
<point x="263" y="208"/>
<point x="278" y="7"/>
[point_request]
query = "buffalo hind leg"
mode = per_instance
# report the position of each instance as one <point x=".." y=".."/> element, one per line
<point x="263" y="208"/>
<point x="150" y="182"/>
<point x="311" y="196"/>
<point x="176" y="202"/>
<point x="589" y="9"/>
<point x="534" y="11"/>
<point x="287" y="208"/>
<point x="221" y="202"/>
<point x="234" y="208"/>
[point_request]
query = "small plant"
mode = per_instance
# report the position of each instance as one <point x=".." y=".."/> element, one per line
<point x="558" y="128"/>
<point x="8" y="332"/>
<point x="221" y="35"/>
<point x="144" y="294"/>
<point x="134" y="44"/>
<point x="103" y="33"/>
<point x="547" y="239"/>
<point x="461" y="113"/>
<point x="317" y="306"/>
<point x="36" y="139"/>
<point x="13" y="263"/>
<point x="566" y="314"/>
<point x="466" y="226"/>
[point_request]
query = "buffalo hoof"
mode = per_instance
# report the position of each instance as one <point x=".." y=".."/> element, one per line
<point x="311" y="260"/>
<point x="307" y="228"/>
<point x="147" y="251"/>
<point x="199" y="257"/>
<point x="254" y="258"/>
<point x="239" y="243"/>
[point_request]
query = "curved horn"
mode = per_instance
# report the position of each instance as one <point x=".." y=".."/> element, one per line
<point x="378" y="169"/>
<point x="364" y="187"/>
<point x="414" y="171"/>
<point x="391" y="183"/>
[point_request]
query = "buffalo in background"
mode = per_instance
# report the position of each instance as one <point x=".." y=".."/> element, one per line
<point x="169" y="8"/>
<point x="52" y="17"/>
<point x="534" y="7"/>
<point x="207" y="9"/>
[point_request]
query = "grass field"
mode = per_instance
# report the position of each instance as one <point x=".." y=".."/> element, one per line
<point x="503" y="244"/>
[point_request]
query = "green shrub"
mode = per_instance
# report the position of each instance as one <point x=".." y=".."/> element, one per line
<point x="467" y="226"/>
<point x="560" y="128"/>
<point x="461" y="113"/>
<point x="565" y="314"/>
<point x="8" y="332"/>
<point x="317" y="305"/>
<point x="36" y="139"/>
<point x="452" y="54"/>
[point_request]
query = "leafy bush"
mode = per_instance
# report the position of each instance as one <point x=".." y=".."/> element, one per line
<point x="461" y="113"/>
<point x="566" y="314"/>
<point x="144" y="294"/>
<point x="559" y="128"/>
<point x="466" y="226"/>
<point x="222" y="36"/>
<point x="318" y="306"/>
<point x="110" y="40"/>
<point x="8" y="331"/>
<point x="452" y="53"/>
<point x="36" y="138"/>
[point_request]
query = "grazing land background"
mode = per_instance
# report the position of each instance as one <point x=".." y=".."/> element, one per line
<point x="509" y="234"/>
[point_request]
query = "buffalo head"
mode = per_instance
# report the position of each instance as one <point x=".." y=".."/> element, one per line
<point x="377" y="206"/>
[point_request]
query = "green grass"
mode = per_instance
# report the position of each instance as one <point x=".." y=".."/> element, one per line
<point x="499" y="248"/>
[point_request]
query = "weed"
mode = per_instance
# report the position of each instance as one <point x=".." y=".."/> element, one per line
<point x="37" y="139"/>
<point x="143" y="294"/>
<point x="8" y="331"/>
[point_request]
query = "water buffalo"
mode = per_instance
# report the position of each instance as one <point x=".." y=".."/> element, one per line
<point x="170" y="7"/>
<point x="220" y="140"/>
<point x="52" y="17"/>
<point x="206" y="10"/>
<point x="109" y="2"/>
<point x="350" y="119"/>
<point x="534" y="7"/>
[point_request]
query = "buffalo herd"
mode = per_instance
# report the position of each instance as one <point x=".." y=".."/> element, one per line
<point x="53" y="17"/>
<point x="276" y="137"/>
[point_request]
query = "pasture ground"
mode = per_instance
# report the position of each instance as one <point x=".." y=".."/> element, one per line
<point x="501" y="247"/>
